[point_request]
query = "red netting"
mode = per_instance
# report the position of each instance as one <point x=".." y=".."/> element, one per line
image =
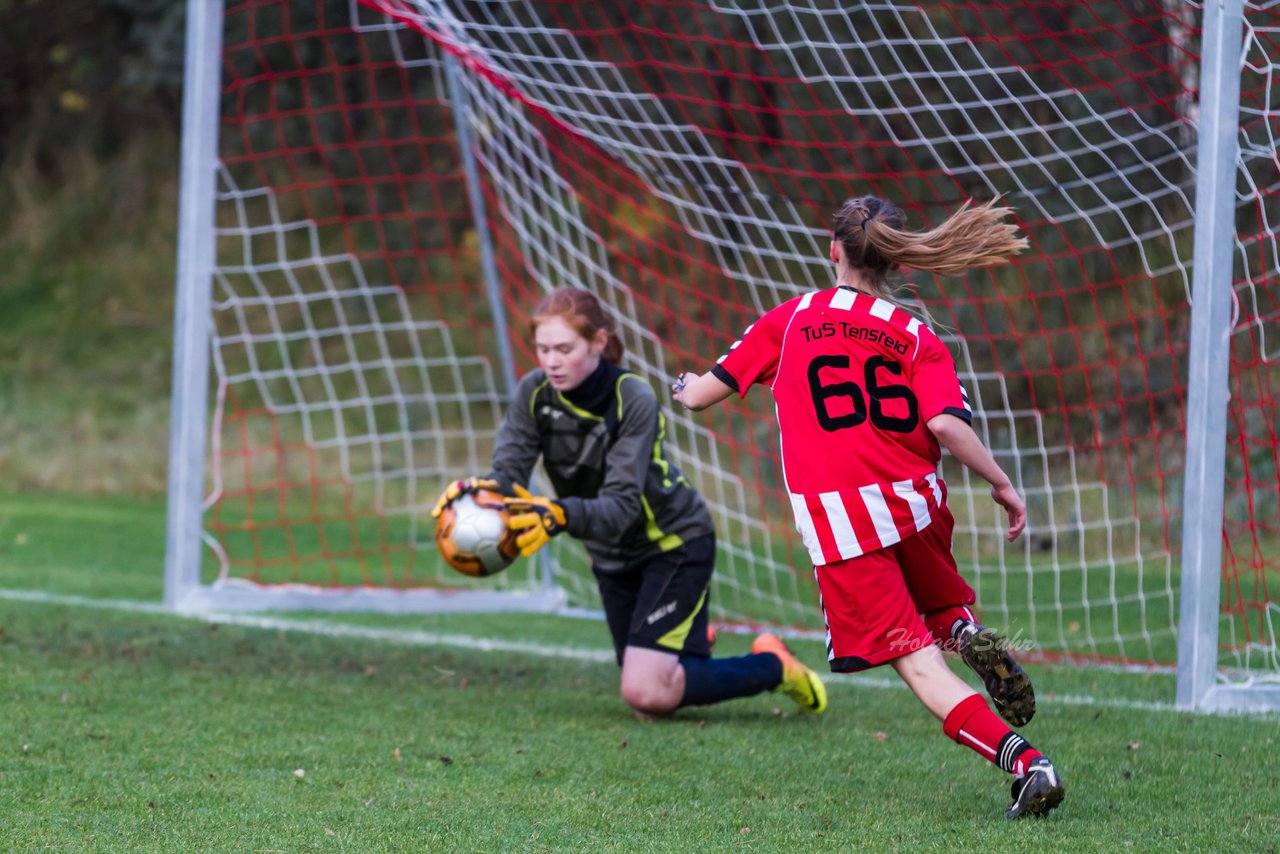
<point x="683" y="159"/>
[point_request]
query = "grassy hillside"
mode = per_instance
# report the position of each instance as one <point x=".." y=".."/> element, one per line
<point x="86" y="302"/>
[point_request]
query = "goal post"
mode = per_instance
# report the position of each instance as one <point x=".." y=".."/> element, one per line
<point x="376" y="193"/>
<point x="1209" y="364"/>
<point x="188" y="585"/>
<point x="188" y="407"/>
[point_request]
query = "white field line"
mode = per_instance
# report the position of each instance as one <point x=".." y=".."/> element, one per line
<point x="820" y="637"/>
<point x="414" y="637"/>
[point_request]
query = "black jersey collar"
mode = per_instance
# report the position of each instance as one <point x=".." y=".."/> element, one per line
<point x="595" y="393"/>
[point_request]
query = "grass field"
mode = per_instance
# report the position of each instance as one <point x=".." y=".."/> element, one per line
<point x="125" y="728"/>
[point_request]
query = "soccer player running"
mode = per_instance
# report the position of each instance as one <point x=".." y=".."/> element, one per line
<point x="865" y="393"/>
<point x="650" y="537"/>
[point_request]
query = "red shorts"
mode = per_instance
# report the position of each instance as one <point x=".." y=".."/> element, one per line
<point x="872" y="603"/>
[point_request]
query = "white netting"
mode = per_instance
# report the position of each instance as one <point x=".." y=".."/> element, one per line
<point x="682" y="161"/>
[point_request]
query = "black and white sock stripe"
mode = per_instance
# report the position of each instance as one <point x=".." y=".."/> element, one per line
<point x="1009" y="749"/>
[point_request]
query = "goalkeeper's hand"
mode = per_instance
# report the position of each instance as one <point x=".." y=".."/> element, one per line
<point x="459" y="488"/>
<point x="536" y="518"/>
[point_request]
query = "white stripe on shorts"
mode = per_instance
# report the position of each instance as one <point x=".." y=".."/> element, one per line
<point x="841" y="528"/>
<point x="881" y="516"/>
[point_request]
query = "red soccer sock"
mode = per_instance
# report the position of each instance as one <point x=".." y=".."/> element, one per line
<point x="972" y="724"/>
<point x="941" y="621"/>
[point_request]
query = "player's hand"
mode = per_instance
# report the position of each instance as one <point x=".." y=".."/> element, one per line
<point x="683" y="381"/>
<point x="1008" y="498"/>
<point x="536" y="517"/>
<point x="459" y="488"/>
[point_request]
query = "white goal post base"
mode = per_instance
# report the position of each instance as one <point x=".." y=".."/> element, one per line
<point x="1244" y="699"/>
<point x="250" y="598"/>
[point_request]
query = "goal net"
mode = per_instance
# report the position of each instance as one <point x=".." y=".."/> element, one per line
<point x="386" y="168"/>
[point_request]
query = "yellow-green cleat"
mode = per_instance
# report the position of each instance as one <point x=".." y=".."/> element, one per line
<point x="799" y="682"/>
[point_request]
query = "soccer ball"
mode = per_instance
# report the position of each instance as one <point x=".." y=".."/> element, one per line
<point x="473" y="536"/>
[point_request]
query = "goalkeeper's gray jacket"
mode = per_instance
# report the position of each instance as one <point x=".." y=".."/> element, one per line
<point x="601" y="446"/>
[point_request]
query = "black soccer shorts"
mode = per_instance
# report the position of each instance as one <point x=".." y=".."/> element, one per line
<point x="661" y="602"/>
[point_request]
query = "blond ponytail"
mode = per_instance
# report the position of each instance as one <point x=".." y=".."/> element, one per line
<point x="875" y="242"/>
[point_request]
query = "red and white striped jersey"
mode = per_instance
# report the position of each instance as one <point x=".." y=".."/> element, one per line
<point x="854" y="379"/>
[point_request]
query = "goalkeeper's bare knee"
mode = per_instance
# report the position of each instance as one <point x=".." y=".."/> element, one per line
<point x="650" y="699"/>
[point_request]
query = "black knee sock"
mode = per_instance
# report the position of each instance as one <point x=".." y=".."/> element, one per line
<point x="711" y="680"/>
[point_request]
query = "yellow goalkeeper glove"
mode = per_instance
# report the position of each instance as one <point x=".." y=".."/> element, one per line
<point x="537" y="518"/>
<point x="459" y="488"/>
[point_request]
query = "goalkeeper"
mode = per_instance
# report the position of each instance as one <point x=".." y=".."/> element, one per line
<point x="648" y="533"/>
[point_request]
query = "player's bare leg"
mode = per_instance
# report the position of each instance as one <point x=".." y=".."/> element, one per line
<point x="652" y="681"/>
<point x="927" y="675"/>
<point x="968" y="721"/>
<point x="655" y="683"/>
<point x="989" y="655"/>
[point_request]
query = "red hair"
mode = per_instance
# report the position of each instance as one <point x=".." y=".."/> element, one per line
<point x="582" y="311"/>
